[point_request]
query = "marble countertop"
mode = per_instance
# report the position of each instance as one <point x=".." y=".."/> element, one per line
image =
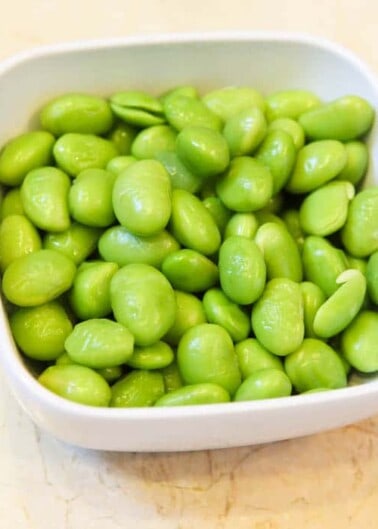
<point x="324" y="481"/>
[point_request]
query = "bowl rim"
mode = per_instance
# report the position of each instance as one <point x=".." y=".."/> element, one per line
<point x="190" y="37"/>
<point x="15" y="371"/>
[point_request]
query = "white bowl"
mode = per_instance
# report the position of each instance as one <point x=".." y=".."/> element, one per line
<point x="269" y="62"/>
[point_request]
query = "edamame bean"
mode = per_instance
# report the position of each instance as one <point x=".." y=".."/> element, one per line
<point x="40" y="332"/>
<point x="90" y="198"/>
<point x="110" y="374"/>
<point x="189" y="312"/>
<point x="206" y="354"/>
<point x="23" y="154"/>
<point x="228" y="101"/>
<point x="74" y="152"/>
<point x="184" y="90"/>
<point x="277" y="317"/>
<point x="359" y="342"/>
<point x="275" y="204"/>
<point x="37" y="278"/>
<point x="77" y="383"/>
<point x="12" y="203"/>
<point x="252" y="357"/>
<point x="291" y="220"/>
<point x="280" y="251"/>
<point x="313" y="298"/>
<point x="325" y="210"/>
<point x="267" y="383"/>
<point x="246" y="186"/>
<point x="322" y="263"/>
<point x="315" y="365"/>
<point x="172" y="378"/>
<point x="119" y="246"/>
<point x="263" y="216"/>
<point x="181" y="177"/>
<point x="218" y="211"/>
<point x="143" y="300"/>
<point x="182" y="111"/>
<point x="18" y="237"/>
<point x="358" y="263"/>
<point x="360" y="231"/>
<point x="90" y="293"/>
<point x="203" y="150"/>
<point x="99" y="343"/>
<point x="290" y="103"/>
<point x="119" y="163"/>
<point x="137" y="389"/>
<point x="152" y="140"/>
<point x="278" y="152"/>
<point x="44" y="195"/>
<point x="194" y="394"/>
<point x="317" y="163"/>
<point x="219" y="309"/>
<point x="155" y="356"/>
<point x="76" y="243"/>
<point x="372" y="277"/>
<point x="190" y="271"/>
<point x="342" y="306"/>
<point x="241" y="225"/>
<point x="188" y="211"/>
<point x="242" y="270"/>
<point x="122" y="137"/>
<point x="357" y="162"/>
<point x="83" y="113"/>
<point x="245" y="131"/>
<point x="142" y="198"/>
<point x="137" y="108"/>
<point x="291" y="127"/>
<point x="345" y="118"/>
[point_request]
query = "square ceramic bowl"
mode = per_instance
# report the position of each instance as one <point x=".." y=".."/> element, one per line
<point x="268" y="62"/>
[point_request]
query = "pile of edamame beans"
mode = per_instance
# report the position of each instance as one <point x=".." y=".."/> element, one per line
<point x="192" y="248"/>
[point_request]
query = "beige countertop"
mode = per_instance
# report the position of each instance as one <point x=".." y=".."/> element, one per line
<point x="324" y="481"/>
